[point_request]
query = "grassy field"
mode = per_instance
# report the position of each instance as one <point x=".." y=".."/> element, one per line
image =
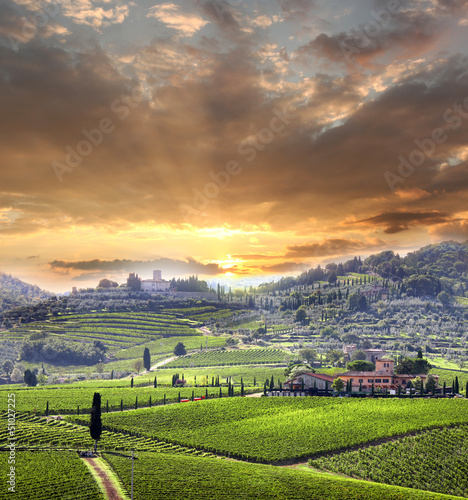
<point x="164" y="477"/>
<point x="278" y="429"/>
<point x="434" y="460"/>
<point x="448" y="376"/>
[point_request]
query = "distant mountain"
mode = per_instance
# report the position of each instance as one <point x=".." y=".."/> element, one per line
<point x="17" y="293"/>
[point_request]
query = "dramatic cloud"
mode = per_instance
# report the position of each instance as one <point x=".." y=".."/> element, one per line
<point x="172" y="15"/>
<point x="145" y="268"/>
<point x="134" y="130"/>
<point x="401" y="221"/>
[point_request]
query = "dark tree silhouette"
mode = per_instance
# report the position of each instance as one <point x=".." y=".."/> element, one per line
<point x="147" y="359"/>
<point x="95" y="426"/>
<point x="179" y="349"/>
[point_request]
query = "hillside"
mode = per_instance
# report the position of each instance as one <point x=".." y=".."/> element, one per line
<point x="17" y="293"/>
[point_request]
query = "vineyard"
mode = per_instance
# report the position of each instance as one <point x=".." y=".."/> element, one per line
<point x="163" y="346"/>
<point x="435" y="461"/>
<point x="161" y="477"/>
<point x="235" y="357"/>
<point x="50" y="475"/>
<point x="115" y="330"/>
<point x="67" y="399"/>
<point x="32" y="431"/>
<point x="278" y="429"/>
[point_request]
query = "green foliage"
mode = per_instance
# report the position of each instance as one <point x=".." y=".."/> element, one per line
<point x="412" y="366"/>
<point x="420" y="285"/>
<point x="358" y="355"/>
<point x="357" y="302"/>
<point x="338" y="384"/>
<point x="360" y="366"/>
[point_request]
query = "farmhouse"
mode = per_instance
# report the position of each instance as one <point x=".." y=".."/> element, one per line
<point x="383" y="376"/>
<point x="308" y="381"/>
<point x="371" y="354"/>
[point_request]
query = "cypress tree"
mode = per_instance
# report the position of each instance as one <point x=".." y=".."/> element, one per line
<point x="220" y="392"/>
<point x="150" y="402"/>
<point x="255" y="381"/>
<point x="193" y="395"/>
<point x="272" y="383"/>
<point x="445" y="388"/>
<point x="78" y="410"/>
<point x="131" y="382"/>
<point x="47" y="409"/>
<point x="242" y="388"/>
<point x="179" y="397"/>
<point x="372" y="389"/>
<point x="155" y="383"/>
<point x="112" y="375"/>
<point x="164" y="400"/>
<point x="212" y="381"/>
<point x="107" y="406"/>
<point x="457" y="386"/>
<point x="121" y="405"/>
<point x="95" y="425"/>
<point x="466" y="390"/>
<point x="206" y="393"/>
<point x="136" y="403"/>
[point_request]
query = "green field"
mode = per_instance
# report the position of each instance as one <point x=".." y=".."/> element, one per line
<point x="115" y="330"/>
<point x="162" y="477"/>
<point x="234" y="357"/>
<point x="66" y="399"/>
<point x="434" y="460"/>
<point x="278" y="429"/>
<point x="46" y="475"/>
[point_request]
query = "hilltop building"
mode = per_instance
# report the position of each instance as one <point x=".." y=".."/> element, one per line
<point x="157" y="284"/>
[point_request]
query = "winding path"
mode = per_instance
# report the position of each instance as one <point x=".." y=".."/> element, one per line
<point x="111" y="492"/>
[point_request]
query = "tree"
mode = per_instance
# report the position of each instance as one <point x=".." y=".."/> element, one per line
<point x="95" y="425"/>
<point x="358" y="355"/>
<point x="307" y="354"/>
<point x="105" y="283"/>
<point x="444" y="298"/>
<point x="301" y="315"/>
<point x="338" y="384"/>
<point x="99" y="367"/>
<point x="360" y="366"/>
<point x="357" y="302"/>
<point x="16" y="375"/>
<point x="30" y="378"/>
<point x="334" y="356"/>
<point x="137" y="365"/>
<point x="179" y="349"/>
<point x="8" y="366"/>
<point x="431" y="383"/>
<point x="147" y="359"/>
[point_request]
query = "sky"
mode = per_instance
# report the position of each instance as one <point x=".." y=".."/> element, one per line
<point x="227" y="138"/>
